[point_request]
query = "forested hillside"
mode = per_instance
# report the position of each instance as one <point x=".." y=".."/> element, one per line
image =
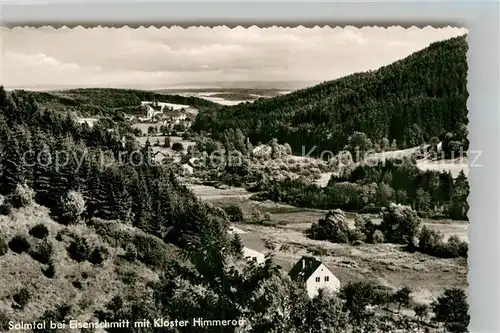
<point x="104" y="101"/>
<point x="410" y="101"/>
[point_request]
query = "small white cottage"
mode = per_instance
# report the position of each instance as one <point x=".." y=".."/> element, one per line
<point x="315" y="275"/>
<point x="250" y="254"/>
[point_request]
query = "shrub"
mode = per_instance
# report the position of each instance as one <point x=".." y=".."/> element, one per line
<point x="131" y="253"/>
<point x="333" y="227"/>
<point x="365" y="225"/>
<point x="78" y="249"/>
<point x="256" y="215"/>
<point x="456" y="248"/>
<point x="268" y="216"/>
<point x="72" y="206"/>
<point x="4" y="248"/>
<point x="19" y="244"/>
<point x="166" y="142"/>
<point x="237" y="245"/>
<point x="431" y="243"/>
<point x="319" y="251"/>
<point x="22" y="298"/>
<point x="5" y="208"/>
<point x="129" y="277"/>
<point x="235" y="213"/>
<point x="151" y="251"/>
<point x="356" y="236"/>
<point x="429" y="240"/>
<point x="59" y="237"/>
<point x="177" y="146"/>
<point x="42" y="252"/>
<point x="285" y="248"/>
<point x="39" y="231"/>
<point x="400" y="224"/>
<point x="357" y="296"/>
<point x="451" y="308"/>
<point x="77" y="284"/>
<point x="22" y="196"/>
<point x="269" y="244"/>
<point x="421" y="311"/>
<point x="59" y="314"/>
<point x="402" y="297"/>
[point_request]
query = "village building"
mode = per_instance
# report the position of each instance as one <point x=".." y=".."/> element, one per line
<point x="257" y="256"/>
<point x="314" y="275"/>
<point x="187" y="170"/>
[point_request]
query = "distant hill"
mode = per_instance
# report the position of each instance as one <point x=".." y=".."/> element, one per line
<point x="105" y="101"/>
<point x="414" y="99"/>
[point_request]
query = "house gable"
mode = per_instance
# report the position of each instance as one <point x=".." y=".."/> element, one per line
<point x="315" y="275"/>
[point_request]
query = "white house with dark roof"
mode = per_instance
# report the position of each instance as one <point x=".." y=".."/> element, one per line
<point x="314" y="275"/>
<point x="250" y="254"/>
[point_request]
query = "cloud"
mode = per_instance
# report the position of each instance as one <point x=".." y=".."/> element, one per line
<point x="169" y="56"/>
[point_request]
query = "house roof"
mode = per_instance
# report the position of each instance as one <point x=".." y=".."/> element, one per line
<point x="304" y="268"/>
<point x="249" y="252"/>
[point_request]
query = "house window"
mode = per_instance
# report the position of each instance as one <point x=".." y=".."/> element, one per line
<point x="327" y="278"/>
<point x="318" y="279"/>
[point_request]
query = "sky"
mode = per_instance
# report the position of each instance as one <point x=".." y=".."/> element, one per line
<point x="198" y="56"/>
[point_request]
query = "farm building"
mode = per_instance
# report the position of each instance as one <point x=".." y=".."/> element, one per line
<point x="315" y="275"/>
<point x="253" y="255"/>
